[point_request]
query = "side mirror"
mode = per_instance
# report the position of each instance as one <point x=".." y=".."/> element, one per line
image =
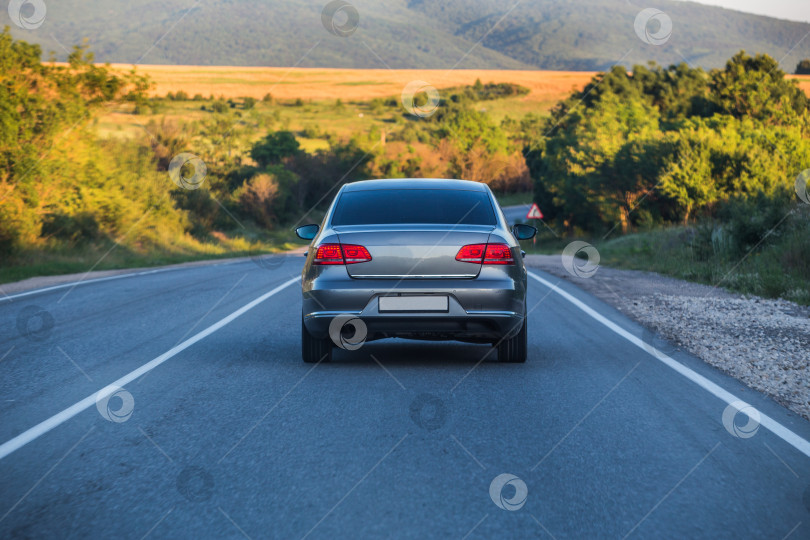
<point x="523" y="232"/>
<point x="307" y="232"/>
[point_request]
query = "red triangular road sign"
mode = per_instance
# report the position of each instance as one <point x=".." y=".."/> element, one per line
<point x="534" y="212"/>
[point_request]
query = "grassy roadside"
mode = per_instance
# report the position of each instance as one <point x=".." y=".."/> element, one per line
<point x="777" y="268"/>
<point x="109" y="256"/>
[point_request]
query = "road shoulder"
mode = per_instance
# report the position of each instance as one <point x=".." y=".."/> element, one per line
<point x="761" y="342"/>
<point x="41" y="282"/>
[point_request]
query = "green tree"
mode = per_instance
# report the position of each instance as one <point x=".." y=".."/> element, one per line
<point x="670" y="143"/>
<point x="274" y="148"/>
<point x="39" y="105"/>
<point x="320" y="174"/>
<point x="575" y="175"/>
<point x="466" y="128"/>
<point x="755" y="87"/>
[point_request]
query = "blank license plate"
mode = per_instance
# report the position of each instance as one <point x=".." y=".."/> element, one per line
<point x="413" y="303"/>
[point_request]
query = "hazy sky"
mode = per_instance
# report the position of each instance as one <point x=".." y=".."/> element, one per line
<point x="796" y="10"/>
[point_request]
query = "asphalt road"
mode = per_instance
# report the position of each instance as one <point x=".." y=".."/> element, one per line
<point x="230" y="434"/>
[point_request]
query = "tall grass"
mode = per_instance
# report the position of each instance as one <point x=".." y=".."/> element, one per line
<point x="776" y="265"/>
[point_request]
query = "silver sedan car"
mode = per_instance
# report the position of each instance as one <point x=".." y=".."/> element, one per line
<point x="425" y="259"/>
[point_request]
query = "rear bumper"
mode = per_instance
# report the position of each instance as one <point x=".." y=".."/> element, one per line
<point x="477" y="327"/>
<point x="483" y="309"/>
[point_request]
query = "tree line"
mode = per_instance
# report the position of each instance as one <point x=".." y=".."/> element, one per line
<point x="657" y="145"/>
<point x="665" y="145"/>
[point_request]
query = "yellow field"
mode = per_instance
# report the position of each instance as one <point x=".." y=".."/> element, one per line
<point x="359" y="84"/>
<point x="346" y="84"/>
<point x="804" y="82"/>
<point x="326" y="85"/>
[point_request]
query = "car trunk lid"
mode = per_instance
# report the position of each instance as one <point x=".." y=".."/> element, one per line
<point x="414" y="251"/>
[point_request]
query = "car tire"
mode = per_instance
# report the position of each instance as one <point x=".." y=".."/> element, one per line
<point x="513" y="350"/>
<point x="314" y="350"/>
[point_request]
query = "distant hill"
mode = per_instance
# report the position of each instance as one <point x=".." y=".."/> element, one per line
<point x="546" y="34"/>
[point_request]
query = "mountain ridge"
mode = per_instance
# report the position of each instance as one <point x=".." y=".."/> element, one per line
<point x="582" y="35"/>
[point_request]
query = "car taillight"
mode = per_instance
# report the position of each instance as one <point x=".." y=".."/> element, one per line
<point x="472" y="253"/>
<point x="355" y="254"/>
<point x="498" y="254"/>
<point x="485" y="254"/>
<point x="341" y="254"/>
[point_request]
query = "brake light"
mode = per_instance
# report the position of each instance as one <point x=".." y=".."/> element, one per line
<point x="328" y="254"/>
<point x="341" y="254"/>
<point x="498" y="254"/>
<point x="472" y="253"/>
<point x="485" y="254"/>
<point x="355" y="254"/>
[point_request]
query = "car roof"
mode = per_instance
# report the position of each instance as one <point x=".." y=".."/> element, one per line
<point x="415" y="183"/>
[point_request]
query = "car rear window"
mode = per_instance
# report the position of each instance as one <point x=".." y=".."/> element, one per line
<point x="406" y="206"/>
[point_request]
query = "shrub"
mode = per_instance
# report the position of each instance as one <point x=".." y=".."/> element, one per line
<point x="74" y="229"/>
<point x="219" y="106"/>
<point x="311" y="132"/>
<point x="274" y="147"/>
<point x="167" y="139"/>
<point x="202" y="209"/>
<point x="754" y="223"/>
<point x="257" y="199"/>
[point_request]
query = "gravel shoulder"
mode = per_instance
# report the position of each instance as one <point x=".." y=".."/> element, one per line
<point x="763" y="343"/>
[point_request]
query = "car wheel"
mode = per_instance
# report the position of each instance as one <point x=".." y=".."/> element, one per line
<point x="513" y="350"/>
<point x="314" y="350"/>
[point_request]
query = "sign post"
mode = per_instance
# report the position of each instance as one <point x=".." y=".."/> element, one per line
<point x="534" y="213"/>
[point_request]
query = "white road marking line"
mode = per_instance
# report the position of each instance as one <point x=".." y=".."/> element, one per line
<point x="40" y="429"/>
<point x="766" y="421"/>
<point x="80" y="282"/>
<point x="110" y="278"/>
